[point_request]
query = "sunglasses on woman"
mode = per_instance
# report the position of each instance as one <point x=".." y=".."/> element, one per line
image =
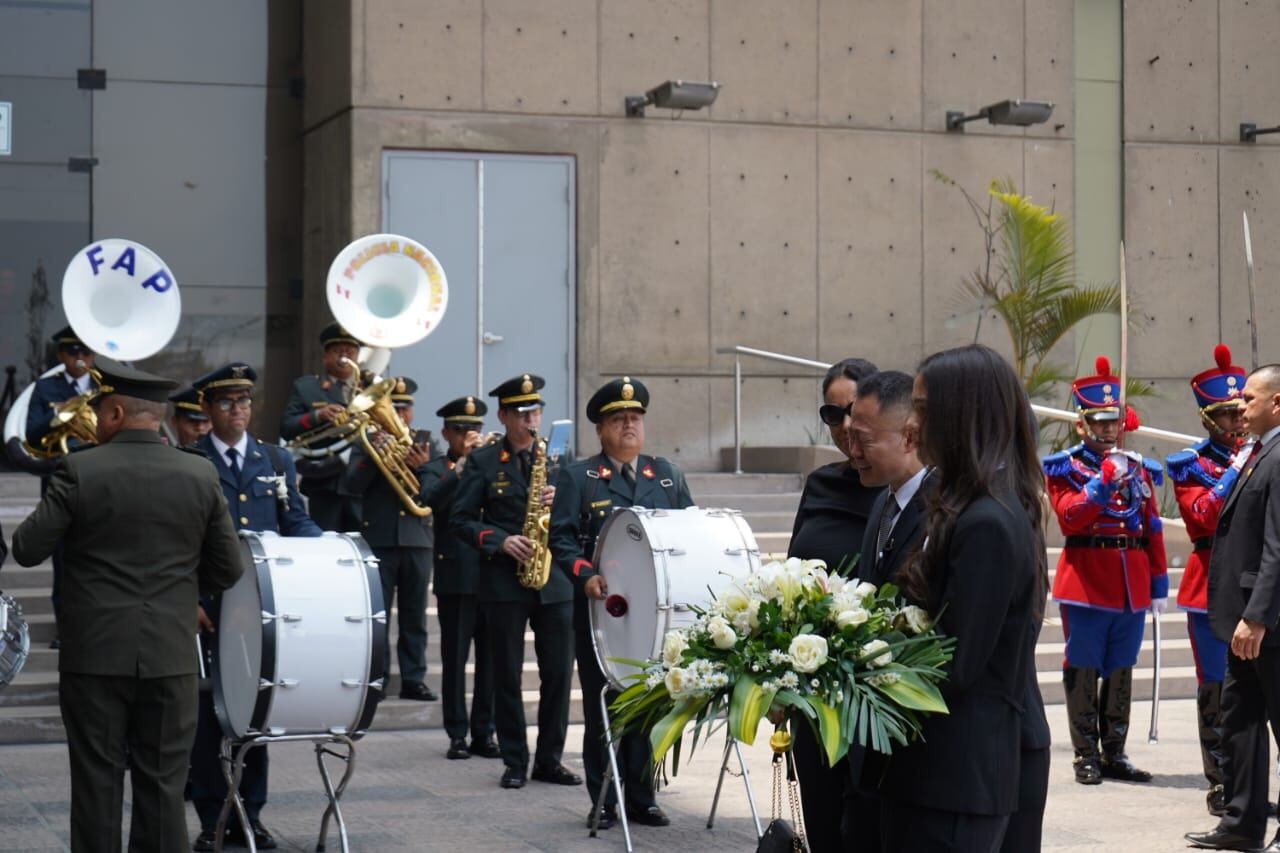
<point x="834" y="415"/>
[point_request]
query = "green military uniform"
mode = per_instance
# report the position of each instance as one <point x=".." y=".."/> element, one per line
<point x="457" y="577"/>
<point x="320" y="477"/>
<point x="587" y="493"/>
<point x="488" y="507"/>
<point x="145" y="529"/>
<point x="402" y="543"/>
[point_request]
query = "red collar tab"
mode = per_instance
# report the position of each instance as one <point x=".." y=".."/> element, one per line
<point x="605" y="472"/>
<point x="647" y="472"/>
<point x="504" y="456"/>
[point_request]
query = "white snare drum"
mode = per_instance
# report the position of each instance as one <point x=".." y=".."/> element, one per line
<point x="301" y="638"/>
<point x="15" y="640"/>
<point x="657" y="562"/>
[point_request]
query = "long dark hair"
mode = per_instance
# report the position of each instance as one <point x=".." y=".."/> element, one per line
<point x="979" y="432"/>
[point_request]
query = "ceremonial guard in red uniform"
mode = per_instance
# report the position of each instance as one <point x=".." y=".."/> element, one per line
<point x="1110" y="572"/>
<point x="1202" y="477"/>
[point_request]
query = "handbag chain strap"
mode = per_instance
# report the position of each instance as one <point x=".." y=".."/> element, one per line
<point x="780" y="742"/>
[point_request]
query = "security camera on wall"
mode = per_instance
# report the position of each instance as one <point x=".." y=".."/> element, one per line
<point x="674" y="95"/>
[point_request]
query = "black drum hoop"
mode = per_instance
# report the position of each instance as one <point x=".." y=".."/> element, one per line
<point x="378" y="630"/>
<point x="261" y="566"/>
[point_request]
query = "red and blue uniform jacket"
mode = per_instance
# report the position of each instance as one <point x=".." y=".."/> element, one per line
<point x="1099" y="577"/>
<point x="1202" y="478"/>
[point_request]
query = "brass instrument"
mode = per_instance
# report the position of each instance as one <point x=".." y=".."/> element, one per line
<point x="536" y="571"/>
<point x="76" y="420"/>
<point x="387" y="440"/>
<point x="334" y="437"/>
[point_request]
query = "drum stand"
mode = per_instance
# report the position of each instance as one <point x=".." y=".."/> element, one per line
<point x="233" y="770"/>
<point x="611" y="777"/>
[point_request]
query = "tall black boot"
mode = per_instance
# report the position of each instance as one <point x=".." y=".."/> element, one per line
<point x="1081" y="686"/>
<point x="1209" y="717"/>
<point x="1115" y="698"/>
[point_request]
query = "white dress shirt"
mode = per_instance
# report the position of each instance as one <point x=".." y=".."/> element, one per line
<point x="222" y="447"/>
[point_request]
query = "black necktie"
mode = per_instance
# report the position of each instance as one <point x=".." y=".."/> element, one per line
<point x="629" y="474"/>
<point x="233" y="460"/>
<point x="886" y="523"/>
<point x="525" y="462"/>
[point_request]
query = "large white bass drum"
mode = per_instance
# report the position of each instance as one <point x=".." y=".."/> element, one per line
<point x="657" y="563"/>
<point x="300" y="638"/>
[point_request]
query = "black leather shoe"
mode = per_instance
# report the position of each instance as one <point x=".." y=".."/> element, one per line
<point x="485" y="748"/>
<point x="262" y="839"/>
<point x="457" y="749"/>
<point x="512" y="778"/>
<point x="648" y="816"/>
<point x="1220" y="839"/>
<point x="556" y="774"/>
<point x="1120" y="767"/>
<point x="1087" y="771"/>
<point x="608" y="817"/>
<point x="204" y="841"/>
<point x="417" y="691"/>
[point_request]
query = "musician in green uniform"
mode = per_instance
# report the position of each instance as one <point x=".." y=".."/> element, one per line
<point x="587" y="493"/>
<point x="314" y="400"/>
<point x="402" y="543"/>
<point x="145" y="529"/>
<point x="489" y="513"/>
<point x="457" y="577"/>
<point x="189" y="421"/>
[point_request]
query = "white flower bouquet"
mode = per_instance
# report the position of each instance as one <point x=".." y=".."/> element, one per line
<point x="857" y="662"/>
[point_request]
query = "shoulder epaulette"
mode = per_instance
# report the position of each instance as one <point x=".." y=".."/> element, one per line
<point x="193" y="449"/>
<point x="1057" y="464"/>
<point x="1180" y="464"/>
<point x="1155" y="469"/>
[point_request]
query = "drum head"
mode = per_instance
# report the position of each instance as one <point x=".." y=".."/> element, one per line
<point x="238" y="664"/>
<point x="624" y="557"/>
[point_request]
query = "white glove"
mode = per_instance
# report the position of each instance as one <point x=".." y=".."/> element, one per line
<point x="1159" y="605"/>
<point x="1242" y="457"/>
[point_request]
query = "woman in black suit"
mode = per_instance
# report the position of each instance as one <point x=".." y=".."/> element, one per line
<point x="829" y="526"/>
<point x="982" y="572"/>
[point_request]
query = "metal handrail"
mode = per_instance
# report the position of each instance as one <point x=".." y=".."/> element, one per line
<point x="739" y="351"/>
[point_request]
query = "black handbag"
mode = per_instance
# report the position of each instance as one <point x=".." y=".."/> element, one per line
<point x="781" y="835"/>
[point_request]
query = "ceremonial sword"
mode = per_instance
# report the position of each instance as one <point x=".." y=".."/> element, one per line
<point x="1253" y="310"/>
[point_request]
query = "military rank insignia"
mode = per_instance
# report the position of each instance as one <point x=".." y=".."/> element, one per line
<point x="504" y="456"/>
<point x="647" y="472"/>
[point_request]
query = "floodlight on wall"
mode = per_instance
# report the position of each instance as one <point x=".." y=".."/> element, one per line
<point x="1016" y="112"/>
<point x="673" y="95"/>
<point x="1250" y="132"/>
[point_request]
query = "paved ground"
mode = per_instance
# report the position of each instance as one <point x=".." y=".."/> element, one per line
<point x="406" y="796"/>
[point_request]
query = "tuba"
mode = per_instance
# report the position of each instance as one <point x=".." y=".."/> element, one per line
<point x="123" y="302"/>
<point x="534" y="572"/>
<point x="389" y="291"/>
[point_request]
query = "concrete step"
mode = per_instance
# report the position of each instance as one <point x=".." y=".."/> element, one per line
<point x="742" y="484"/>
<point x="776" y="502"/>
<point x="1176" y="682"/>
<point x="1173" y="626"/>
<point x="1173" y="652"/>
<point x="43" y="723"/>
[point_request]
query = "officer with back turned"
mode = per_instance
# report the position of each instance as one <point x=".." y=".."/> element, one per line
<point x="314" y="401"/>
<point x="587" y="493"/>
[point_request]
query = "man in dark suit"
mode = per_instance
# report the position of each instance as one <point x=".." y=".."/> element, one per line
<point x="883" y="452"/>
<point x="587" y="493"/>
<point x="47" y="397"/>
<point x="489" y="514"/>
<point x="402" y="543"/>
<point x="260" y="486"/>
<point x="1244" y="610"/>
<point x="314" y="401"/>
<point x="145" y="530"/>
<point x="457" y="577"/>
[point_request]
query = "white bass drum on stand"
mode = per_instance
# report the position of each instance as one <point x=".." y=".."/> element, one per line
<point x="300" y="638"/>
<point x="656" y="563"/>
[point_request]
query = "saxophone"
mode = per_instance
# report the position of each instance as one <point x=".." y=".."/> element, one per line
<point x="536" y="571"/>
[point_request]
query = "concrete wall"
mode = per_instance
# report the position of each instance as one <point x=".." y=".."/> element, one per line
<point x="1194" y="70"/>
<point x="796" y="215"/>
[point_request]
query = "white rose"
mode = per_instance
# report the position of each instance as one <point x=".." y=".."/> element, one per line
<point x="720" y="632"/>
<point x="808" y="652"/>
<point x="863" y="589"/>
<point x="854" y="616"/>
<point x="673" y="645"/>
<point x="917" y="619"/>
<point x="873" y="647"/>
<point x="679" y="682"/>
<point x="815" y="566"/>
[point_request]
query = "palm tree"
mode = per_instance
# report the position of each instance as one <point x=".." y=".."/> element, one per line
<point x="1029" y="282"/>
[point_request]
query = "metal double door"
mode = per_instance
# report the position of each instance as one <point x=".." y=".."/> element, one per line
<point x="502" y="227"/>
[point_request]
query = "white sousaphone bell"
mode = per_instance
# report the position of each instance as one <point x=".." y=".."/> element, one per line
<point x="388" y="291"/>
<point x="121" y="300"/>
